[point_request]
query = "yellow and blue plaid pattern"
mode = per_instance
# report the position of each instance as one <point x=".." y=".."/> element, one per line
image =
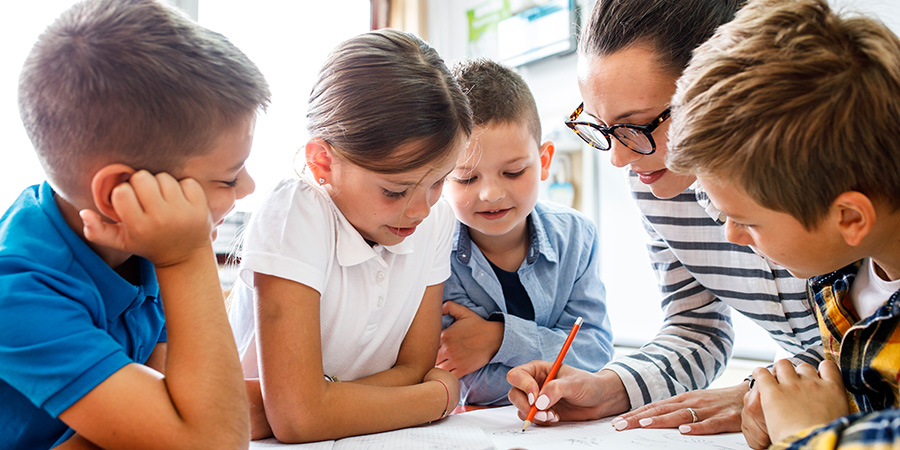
<point x="868" y="353"/>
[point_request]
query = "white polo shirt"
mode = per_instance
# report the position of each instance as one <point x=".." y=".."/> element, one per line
<point x="369" y="295"/>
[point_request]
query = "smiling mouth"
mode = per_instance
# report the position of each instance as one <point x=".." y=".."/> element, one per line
<point x="494" y="213"/>
<point x="650" y="177"/>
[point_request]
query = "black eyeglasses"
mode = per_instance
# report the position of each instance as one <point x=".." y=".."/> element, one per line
<point x="638" y="138"/>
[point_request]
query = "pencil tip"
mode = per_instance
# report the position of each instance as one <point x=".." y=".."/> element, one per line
<point x="527" y="423"/>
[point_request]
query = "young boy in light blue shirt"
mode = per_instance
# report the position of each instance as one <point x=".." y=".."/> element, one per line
<point x="522" y="270"/>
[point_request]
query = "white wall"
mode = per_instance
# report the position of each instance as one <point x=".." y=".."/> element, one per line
<point x="632" y="295"/>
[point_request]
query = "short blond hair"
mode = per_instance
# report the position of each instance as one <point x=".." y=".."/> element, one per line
<point x="797" y="104"/>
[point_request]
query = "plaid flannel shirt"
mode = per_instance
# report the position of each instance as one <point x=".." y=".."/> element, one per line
<point x="868" y="354"/>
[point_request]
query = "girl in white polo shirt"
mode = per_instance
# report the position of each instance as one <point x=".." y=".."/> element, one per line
<point x="337" y="311"/>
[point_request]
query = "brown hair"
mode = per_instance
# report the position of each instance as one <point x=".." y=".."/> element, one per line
<point x="673" y="28"/>
<point x="131" y="81"/>
<point x="795" y="102"/>
<point x="497" y="94"/>
<point x="381" y="90"/>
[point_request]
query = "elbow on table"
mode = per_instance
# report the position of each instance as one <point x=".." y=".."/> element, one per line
<point x="296" y="428"/>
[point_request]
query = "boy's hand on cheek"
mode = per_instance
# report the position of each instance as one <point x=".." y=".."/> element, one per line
<point x="161" y="219"/>
<point x="798" y="398"/>
<point x="469" y="343"/>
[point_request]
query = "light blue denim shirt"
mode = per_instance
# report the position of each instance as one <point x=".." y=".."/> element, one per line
<point x="561" y="274"/>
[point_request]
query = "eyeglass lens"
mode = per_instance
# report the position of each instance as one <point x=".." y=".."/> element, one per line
<point x="631" y="138"/>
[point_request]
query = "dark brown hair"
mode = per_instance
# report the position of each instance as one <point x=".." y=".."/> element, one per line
<point x="497" y="94"/>
<point x="673" y="28"/>
<point x="796" y="104"/>
<point x="381" y="90"/>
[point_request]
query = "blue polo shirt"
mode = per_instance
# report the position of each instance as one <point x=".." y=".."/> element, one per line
<point x="67" y="320"/>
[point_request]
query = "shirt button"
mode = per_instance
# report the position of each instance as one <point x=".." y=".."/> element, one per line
<point x="379" y="276"/>
<point x="380" y="301"/>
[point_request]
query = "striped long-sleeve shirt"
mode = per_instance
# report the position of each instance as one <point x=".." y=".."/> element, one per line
<point x="702" y="278"/>
<point x="868" y="353"/>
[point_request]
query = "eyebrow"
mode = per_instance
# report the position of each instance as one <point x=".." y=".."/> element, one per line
<point x="238" y="166"/>
<point x="623" y="116"/>
<point x="511" y="161"/>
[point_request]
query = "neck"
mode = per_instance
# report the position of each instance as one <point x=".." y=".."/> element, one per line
<point x="885" y="246"/>
<point x="507" y="251"/>
<point x="114" y="258"/>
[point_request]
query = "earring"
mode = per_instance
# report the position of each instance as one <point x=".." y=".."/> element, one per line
<point x="321" y="180"/>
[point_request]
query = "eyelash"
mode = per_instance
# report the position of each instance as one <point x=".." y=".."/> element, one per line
<point x="471" y="180"/>
<point x="231" y="183"/>
<point x="392" y="194"/>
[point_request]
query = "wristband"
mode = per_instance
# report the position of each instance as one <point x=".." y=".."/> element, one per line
<point x="447" y="406"/>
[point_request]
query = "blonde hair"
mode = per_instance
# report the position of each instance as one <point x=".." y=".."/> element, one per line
<point x="135" y="82"/>
<point x="795" y="103"/>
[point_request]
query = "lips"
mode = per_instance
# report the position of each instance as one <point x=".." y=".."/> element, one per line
<point x="651" y="177"/>
<point x="402" y="232"/>
<point x="494" y="214"/>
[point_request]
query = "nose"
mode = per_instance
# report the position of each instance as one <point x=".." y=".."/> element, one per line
<point x="419" y="207"/>
<point x="620" y="155"/>
<point x="736" y="234"/>
<point x="246" y="187"/>
<point x="490" y="191"/>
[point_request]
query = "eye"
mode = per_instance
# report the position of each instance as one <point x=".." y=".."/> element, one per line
<point x="231" y="183"/>
<point x="514" y="174"/>
<point x="469" y="180"/>
<point x="393" y="194"/>
<point x="439" y="183"/>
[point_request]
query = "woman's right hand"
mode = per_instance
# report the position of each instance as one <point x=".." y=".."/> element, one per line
<point x="573" y="395"/>
<point x="450" y="381"/>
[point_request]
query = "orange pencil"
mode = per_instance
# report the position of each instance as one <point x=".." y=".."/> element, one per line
<point x="554" y="369"/>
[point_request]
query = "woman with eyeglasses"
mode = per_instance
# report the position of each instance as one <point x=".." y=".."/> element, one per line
<point x="630" y="55"/>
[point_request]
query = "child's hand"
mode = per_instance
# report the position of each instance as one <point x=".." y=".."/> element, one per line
<point x="469" y="343"/>
<point x="795" y="399"/>
<point x="161" y="219"/>
<point x="753" y="421"/>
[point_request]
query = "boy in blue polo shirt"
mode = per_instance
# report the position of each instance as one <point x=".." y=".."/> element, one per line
<point x="522" y="270"/>
<point x="113" y="331"/>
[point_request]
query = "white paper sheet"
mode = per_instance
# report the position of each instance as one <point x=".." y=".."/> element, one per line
<point x="500" y="428"/>
<point x="504" y="428"/>
<point x="434" y="437"/>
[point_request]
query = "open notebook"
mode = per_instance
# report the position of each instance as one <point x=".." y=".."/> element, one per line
<point x="500" y="428"/>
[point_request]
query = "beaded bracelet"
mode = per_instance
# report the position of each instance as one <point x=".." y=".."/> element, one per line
<point x="447" y="406"/>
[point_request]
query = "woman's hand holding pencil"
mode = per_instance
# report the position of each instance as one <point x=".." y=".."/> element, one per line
<point x="572" y="395"/>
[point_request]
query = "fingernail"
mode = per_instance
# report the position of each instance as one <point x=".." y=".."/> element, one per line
<point x="543" y="402"/>
<point x="684" y="429"/>
<point x="620" y="424"/>
<point x="645" y="422"/>
<point x="541" y="416"/>
<point x="530" y="398"/>
<point x="552" y="417"/>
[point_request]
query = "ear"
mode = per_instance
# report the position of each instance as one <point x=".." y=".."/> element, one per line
<point x="547" y="150"/>
<point x="102" y="184"/>
<point x="320" y="159"/>
<point x="856" y="215"/>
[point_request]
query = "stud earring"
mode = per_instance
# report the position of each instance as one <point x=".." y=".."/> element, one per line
<point x="321" y="180"/>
